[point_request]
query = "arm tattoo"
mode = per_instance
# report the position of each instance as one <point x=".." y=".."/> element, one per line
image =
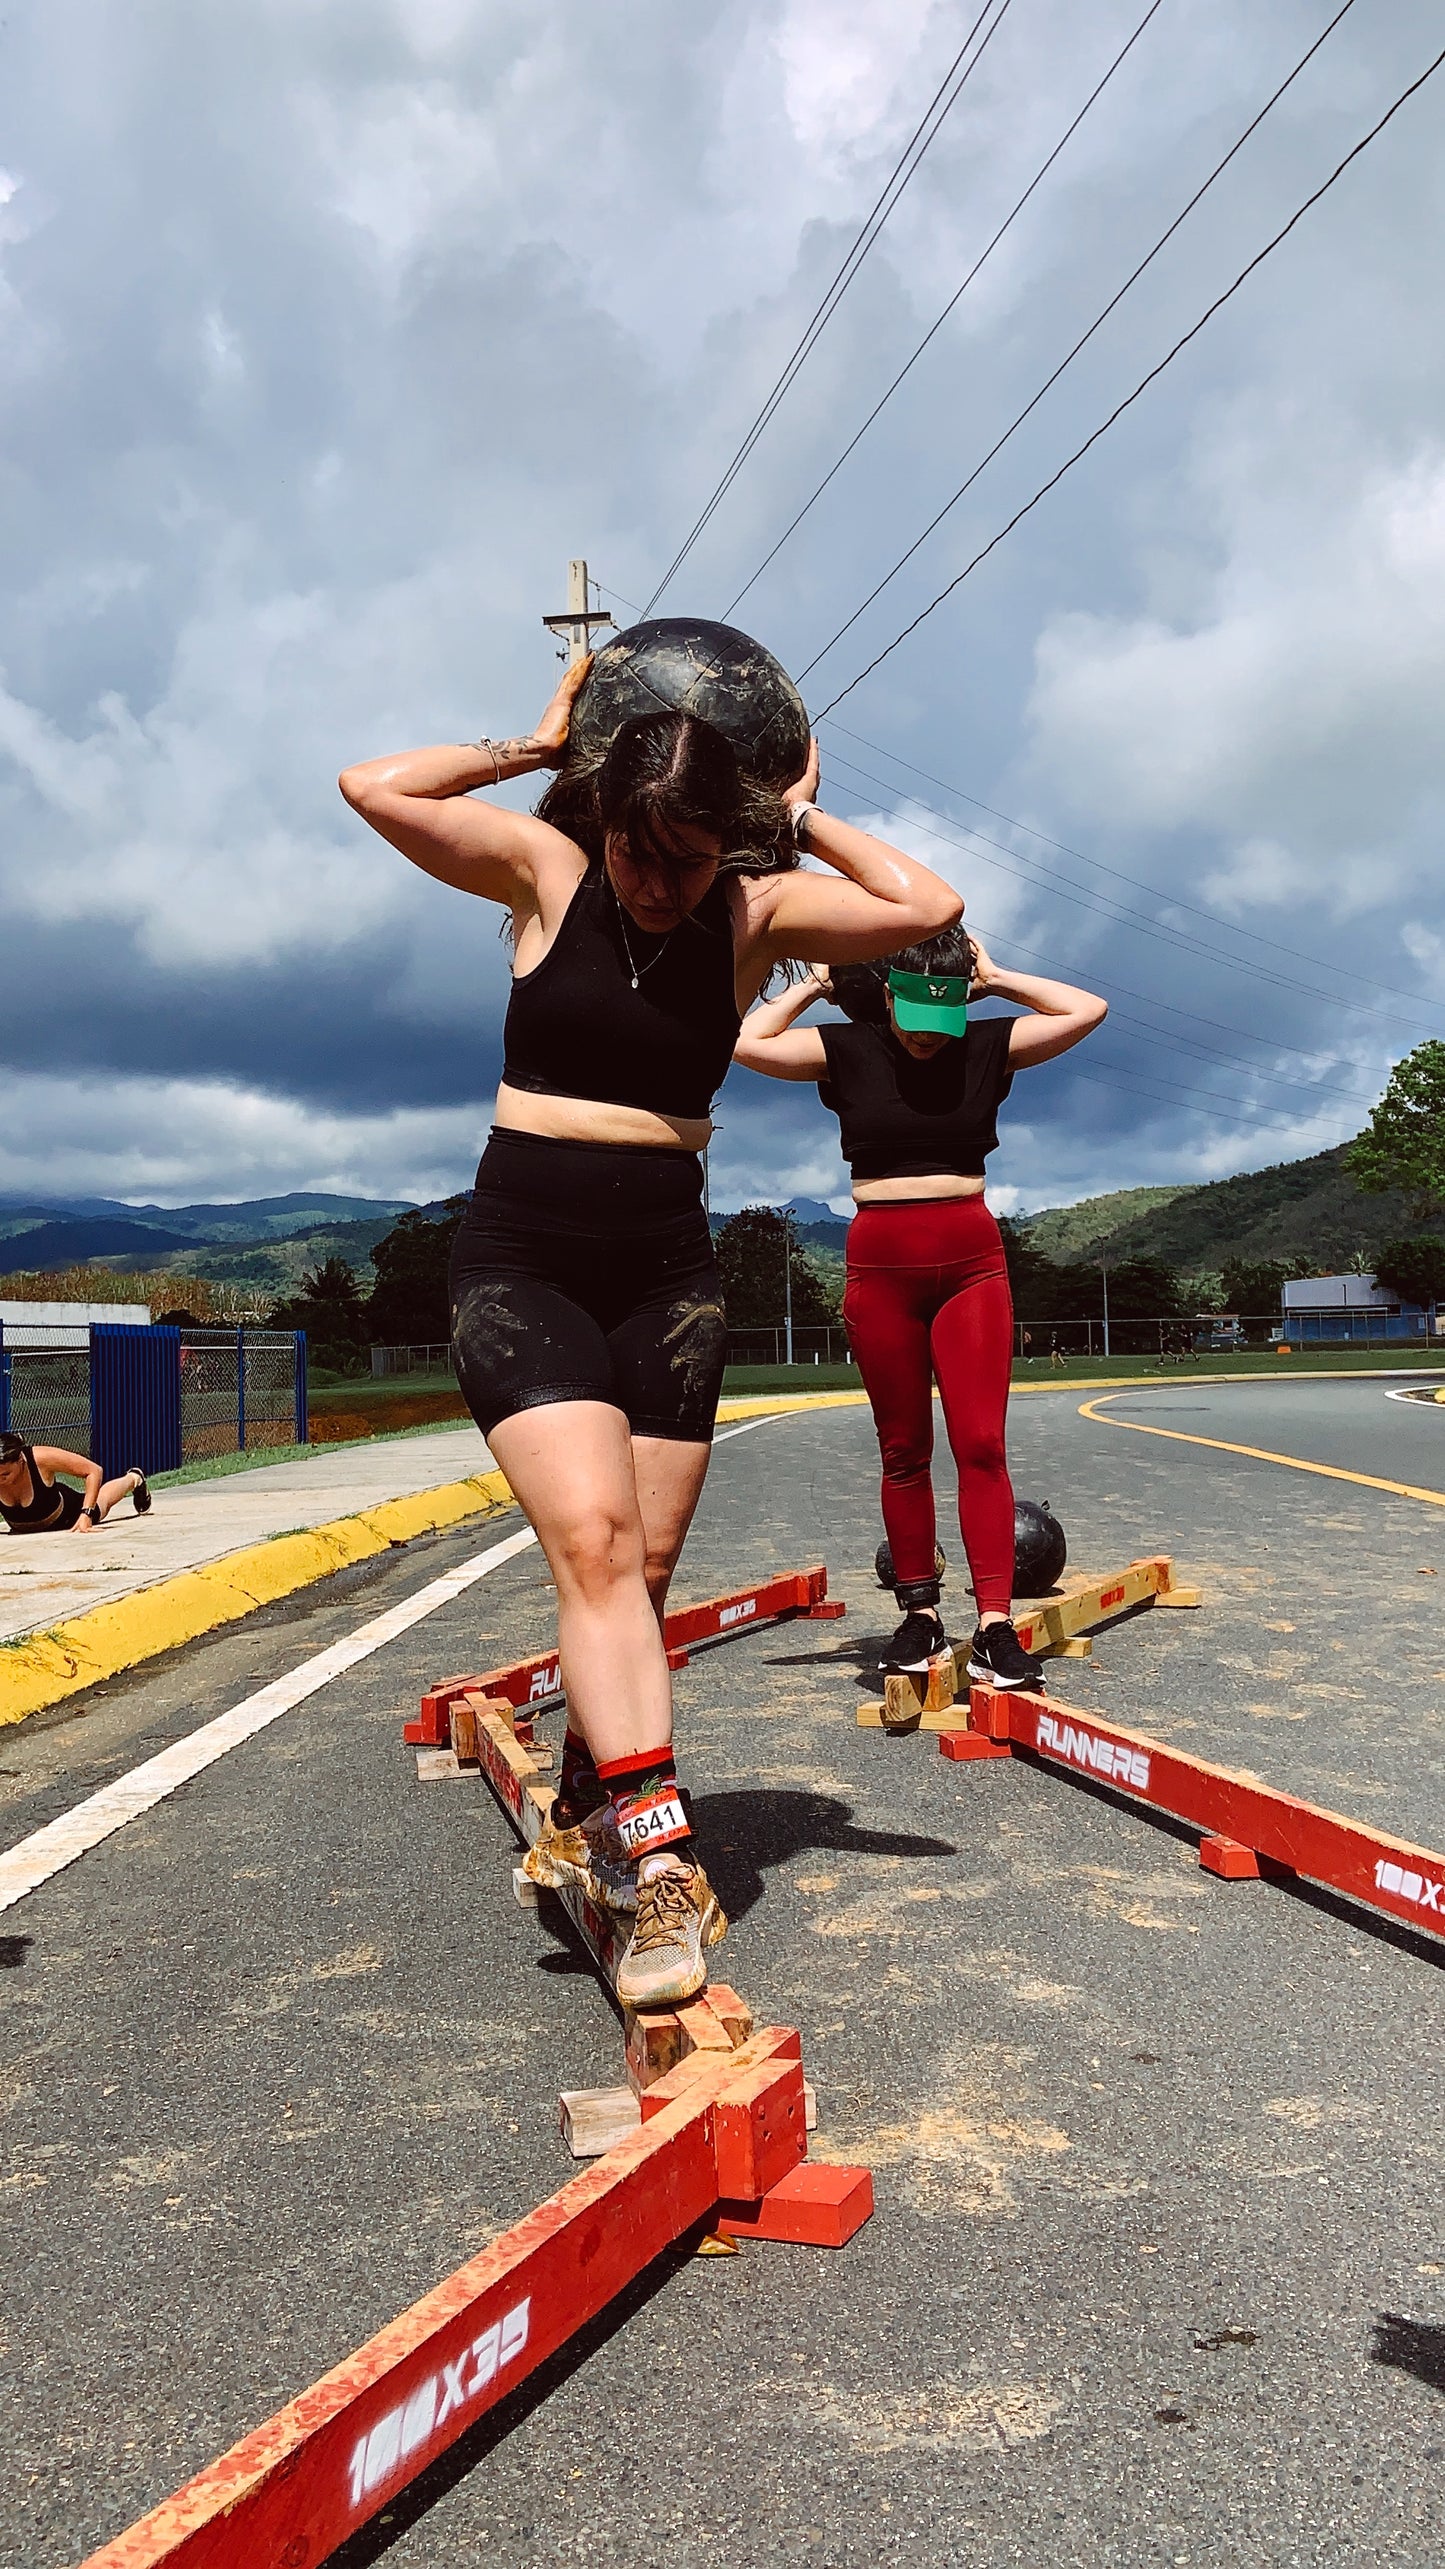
<point x="505" y="753"/>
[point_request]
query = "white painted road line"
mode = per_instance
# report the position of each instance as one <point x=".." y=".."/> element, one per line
<point x="24" y="1867"/>
<point x="48" y="1851"/>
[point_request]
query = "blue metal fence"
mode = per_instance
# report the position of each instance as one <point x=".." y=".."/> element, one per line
<point x="135" y="1398"/>
<point x="151" y="1396"/>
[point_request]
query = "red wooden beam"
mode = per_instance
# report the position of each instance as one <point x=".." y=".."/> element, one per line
<point x="1239" y="1817"/>
<point x="290" y="2493"/>
<point x="795" y="1593"/>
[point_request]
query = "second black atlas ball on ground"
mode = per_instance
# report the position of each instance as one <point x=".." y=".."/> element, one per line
<point x="883" y="1564"/>
<point x="694" y="667"/>
<point x="1040" y="1549"/>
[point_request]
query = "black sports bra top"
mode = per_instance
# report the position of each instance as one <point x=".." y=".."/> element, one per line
<point x="630" y="1019"/>
<point x="45" y="1503"/>
<point x="905" y="1118"/>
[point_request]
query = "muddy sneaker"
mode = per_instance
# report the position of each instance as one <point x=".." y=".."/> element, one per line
<point x="919" y="1638"/>
<point x="588" y="1857"/>
<point x="140" y="1497"/>
<point x="997" y="1657"/>
<point x="678" y="1917"/>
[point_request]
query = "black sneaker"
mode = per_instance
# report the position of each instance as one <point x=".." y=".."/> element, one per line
<point x="140" y="1497"/>
<point x="919" y="1638"/>
<point x="997" y="1657"/>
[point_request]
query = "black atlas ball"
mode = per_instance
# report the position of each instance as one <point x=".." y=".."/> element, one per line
<point x="883" y="1564"/>
<point x="689" y="666"/>
<point x="1040" y="1550"/>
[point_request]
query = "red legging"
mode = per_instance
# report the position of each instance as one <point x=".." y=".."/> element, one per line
<point x="928" y="1295"/>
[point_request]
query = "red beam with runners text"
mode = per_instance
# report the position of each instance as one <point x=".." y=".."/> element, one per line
<point x="1384" y="1873"/>
<point x="539" y="1681"/>
<point x="289" y="2494"/>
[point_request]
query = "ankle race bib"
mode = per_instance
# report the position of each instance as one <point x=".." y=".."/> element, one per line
<point x="656" y="1820"/>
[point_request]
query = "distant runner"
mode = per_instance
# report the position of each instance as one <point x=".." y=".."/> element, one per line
<point x="916" y="1090"/>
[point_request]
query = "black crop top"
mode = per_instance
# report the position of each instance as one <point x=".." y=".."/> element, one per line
<point x="577" y="1027"/>
<point x="907" y="1118"/>
<point x="46" y="1503"/>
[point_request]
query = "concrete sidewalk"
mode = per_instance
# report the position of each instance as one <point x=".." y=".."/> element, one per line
<point x="46" y="1579"/>
<point x="76" y="1609"/>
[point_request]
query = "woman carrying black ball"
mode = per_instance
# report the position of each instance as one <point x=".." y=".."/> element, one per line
<point x="651" y="894"/>
<point x="917" y="1089"/>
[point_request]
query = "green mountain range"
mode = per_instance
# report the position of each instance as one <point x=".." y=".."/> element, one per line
<point x="1302" y="1209"/>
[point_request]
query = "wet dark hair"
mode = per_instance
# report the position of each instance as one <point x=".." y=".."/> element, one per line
<point x="12" y="1448"/>
<point x="861" y="989"/>
<point x="661" y="773"/>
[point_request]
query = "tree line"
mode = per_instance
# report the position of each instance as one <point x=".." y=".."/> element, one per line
<point x="1402" y="1151"/>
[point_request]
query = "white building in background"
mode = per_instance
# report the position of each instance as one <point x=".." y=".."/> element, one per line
<point x="1337" y="1293"/>
<point x="66" y="1324"/>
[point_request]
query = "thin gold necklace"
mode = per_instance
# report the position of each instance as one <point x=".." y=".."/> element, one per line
<point x="627" y="942"/>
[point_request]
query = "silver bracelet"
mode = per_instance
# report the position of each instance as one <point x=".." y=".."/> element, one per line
<point x="797" y="814"/>
<point x="490" y="747"/>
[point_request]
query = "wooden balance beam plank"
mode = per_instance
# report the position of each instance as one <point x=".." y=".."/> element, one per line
<point x="1241" y="1818"/>
<point x="538" y="1681"/>
<point x="662" y="2045"/>
<point x="299" y="2486"/>
<point x="654" y="2043"/>
<point x="1050" y="1627"/>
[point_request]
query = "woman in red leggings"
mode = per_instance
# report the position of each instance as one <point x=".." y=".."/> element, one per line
<point x="916" y="1089"/>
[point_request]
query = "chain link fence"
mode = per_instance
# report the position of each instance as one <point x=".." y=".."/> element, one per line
<point x="49" y="1387"/>
<point x="812" y="1346"/>
<point x="237" y="1389"/>
<point x="413" y="1360"/>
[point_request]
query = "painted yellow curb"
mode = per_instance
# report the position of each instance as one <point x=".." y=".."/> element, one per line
<point x="791" y="1400"/>
<point x="45" y="1667"/>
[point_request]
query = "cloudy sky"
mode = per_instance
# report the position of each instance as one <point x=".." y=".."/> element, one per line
<point x="330" y="329"/>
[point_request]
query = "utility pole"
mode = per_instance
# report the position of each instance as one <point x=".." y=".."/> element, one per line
<point x="1104" y="1272"/>
<point x="787" y="1291"/>
<point x="580" y="617"/>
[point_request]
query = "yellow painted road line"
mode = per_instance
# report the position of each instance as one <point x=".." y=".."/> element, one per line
<point x="1260" y="1454"/>
<point x="42" y="1668"/>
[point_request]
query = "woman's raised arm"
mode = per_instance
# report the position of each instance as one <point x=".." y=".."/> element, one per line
<point x="773" y="1043"/>
<point x="418" y="799"/>
<point x="873" y="900"/>
<point x="1061" y="1015"/>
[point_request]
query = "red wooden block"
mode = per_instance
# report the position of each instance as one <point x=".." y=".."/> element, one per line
<point x="813" y="2207"/>
<point x="829" y="1612"/>
<point x="759" y="2130"/>
<point x="964" y="1746"/>
<point x="1231" y="1861"/>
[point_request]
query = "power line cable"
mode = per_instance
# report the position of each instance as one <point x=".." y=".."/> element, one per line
<point x="984" y="255"/>
<point x="1170" y="1008"/>
<point x="1129" y="399"/>
<point x="1135" y="882"/>
<point x="963" y="830"/>
<point x="1082" y="898"/>
<point x="1094" y="327"/>
<point x="905" y="169"/>
<point x="1261" y="1123"/>
<point x="1208" y="1053"/>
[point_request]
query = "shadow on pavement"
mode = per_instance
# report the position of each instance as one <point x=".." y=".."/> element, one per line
<point x="1410" y="2346"/>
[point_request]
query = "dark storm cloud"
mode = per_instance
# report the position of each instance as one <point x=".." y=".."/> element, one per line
<point x="327" y="336"/>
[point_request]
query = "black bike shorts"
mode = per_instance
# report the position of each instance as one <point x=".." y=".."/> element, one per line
<point x="585" y="1271"/>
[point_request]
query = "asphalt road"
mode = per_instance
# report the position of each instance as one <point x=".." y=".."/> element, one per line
<point x="1158" y="2268"/>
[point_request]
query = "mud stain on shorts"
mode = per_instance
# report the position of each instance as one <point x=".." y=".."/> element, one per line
<point x="696" y="1340"/>
<point x="486" y="1327"/>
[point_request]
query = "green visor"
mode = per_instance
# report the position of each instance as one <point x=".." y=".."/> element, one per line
<point x="930" y="1003"/>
